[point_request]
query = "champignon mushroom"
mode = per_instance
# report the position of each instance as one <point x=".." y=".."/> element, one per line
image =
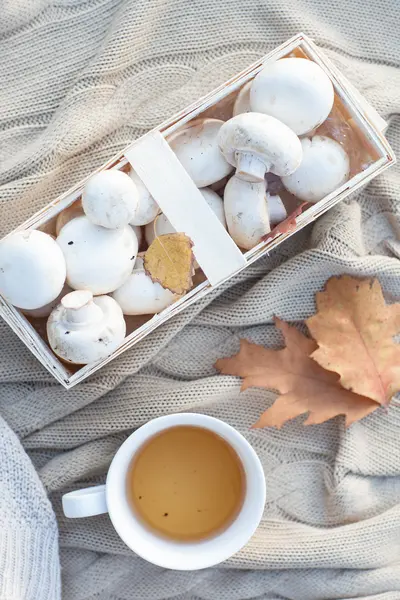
<point x="246" y="211"/>
<point x="139" y="295"/>
<point x="44" y="311"/>
<point x="148" y="208"/>
<point x="98" y="259"/>
<point x="196" y="147"/>
<point x="276" y="209"/>
<point x="325" y="167"/>
<point x="161" y="225"/>
<point x="294" y="90"/>
<point x="69" y="213"/>
<point x="110" y="199"/>
<point x="83" y="329"/>
<point x="32" y="269"/>
<point x="242" y="102"/>
<point x="256" y="143"/>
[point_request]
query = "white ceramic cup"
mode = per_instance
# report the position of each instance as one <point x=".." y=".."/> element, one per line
<point x="162" y="551"/>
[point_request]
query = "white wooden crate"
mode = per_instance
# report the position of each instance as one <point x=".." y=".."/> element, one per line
<point x="368" y="126"/>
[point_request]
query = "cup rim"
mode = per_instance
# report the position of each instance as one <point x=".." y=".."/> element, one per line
<point x="117" y="505"/>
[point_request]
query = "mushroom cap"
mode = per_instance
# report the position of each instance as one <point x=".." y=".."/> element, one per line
<point x="101" y="330"/>
<point x="162" y="225"/>
<point x="32" y="269"/>
<point x="242" y="102"/>
<point x="110" y="199"/>
<point x="139" y="295"/>
<point x="148" y="208"/>
<point x="98" y="259"/>
<point x="325" y="167"/>
<point x="44" y="311"/>
<point x="246" y="211"/>
<point x="197" y="149"/>
<point x="297" y="91"/>
<point x="265" y="138"/>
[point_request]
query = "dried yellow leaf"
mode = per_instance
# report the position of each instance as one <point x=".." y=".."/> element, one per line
<point x="169" y="261"/>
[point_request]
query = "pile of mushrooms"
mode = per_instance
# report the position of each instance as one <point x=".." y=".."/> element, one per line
<point x="297" y="92"/>
<point x="81" y="281"/>
<point x="87" y="278"/>
<point x="272" y="131"/>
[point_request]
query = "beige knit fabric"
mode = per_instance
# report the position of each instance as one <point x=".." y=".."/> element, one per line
<point x="79" y="79"/>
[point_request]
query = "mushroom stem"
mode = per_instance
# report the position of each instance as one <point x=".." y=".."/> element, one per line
<point x="80" y="308"/>
<point x="249" y="167"/>
<point x="246" y="212"/>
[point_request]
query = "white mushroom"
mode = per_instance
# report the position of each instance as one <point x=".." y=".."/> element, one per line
<point x="69" y="213"/>
<point x="98" y="259"/>
<point x="44" y="311"/>
<point x="256" y="143"/>
<point x="161" y="225"/>
<point x="242" y="102"/>
<point x="294" y="90"/>
<point x="32" y="269"/>
<point x="276" y="209"/>
<point x="196" y="147"/>
<point x="325" y="167"/>
<point x="148" y="208"/>
<point x="83" y="329"/>
<point x="139" y="295"/>
<point x="246" y="211"/>
<point x="110" y="199"/>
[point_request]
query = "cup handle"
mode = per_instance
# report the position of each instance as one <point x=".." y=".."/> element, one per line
<point x="88" y="502"/>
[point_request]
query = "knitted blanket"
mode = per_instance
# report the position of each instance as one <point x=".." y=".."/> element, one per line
<point x="80" y="79"/>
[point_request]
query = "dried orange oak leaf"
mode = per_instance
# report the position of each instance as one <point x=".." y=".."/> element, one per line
<point x="354" y="330"/>
<point x="169" y="261"/>
<point x="305" y="387"/>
